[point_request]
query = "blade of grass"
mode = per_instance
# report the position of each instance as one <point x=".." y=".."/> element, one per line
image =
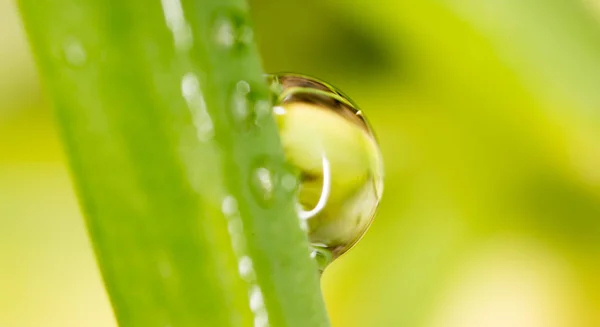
<point x="176" y="160"/>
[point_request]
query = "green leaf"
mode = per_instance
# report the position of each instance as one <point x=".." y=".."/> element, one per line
<point x="166" y="120"/>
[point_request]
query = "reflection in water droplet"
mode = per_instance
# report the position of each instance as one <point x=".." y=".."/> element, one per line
<point x="232" y="32"/>
<point x="190" y="89"/>
<point x="181" y="30"/>
<point x="318" y="124"/>
<point x="75" y="53"/>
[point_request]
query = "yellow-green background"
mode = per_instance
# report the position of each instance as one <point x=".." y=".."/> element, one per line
<point x="488" y="115"/>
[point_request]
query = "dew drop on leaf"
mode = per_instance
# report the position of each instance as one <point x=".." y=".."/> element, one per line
<point x="263" y="184"/>
<point x="180" y="29"/>
<point x="74" y="53"/>
<point x="231" y="31"/>
<point x="249" y="106"/>
<point x="246" y="268"/>
<point x="191" y="92"/>
<point x="328" y="140"/>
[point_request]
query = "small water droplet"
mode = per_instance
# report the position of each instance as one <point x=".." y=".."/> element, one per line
<point x="235" y="227"/>
<point x="263" y="184"/>
<point x="256" y="299"/>
<point x="190" y="90"/>
<point x="261" y="320"/>
<point x="262" y="109"/>
<point x="249" y="106"/>
<point x="289" y="182"/>
<point x="75" y="53"/>
<point x="181" y="30"/>
<point x="240" y="102"/>
<point x="246" y="268"/>
<point x="329" y="142"/>
<point x="232" y="32"/>
<point x="229" y="206"/>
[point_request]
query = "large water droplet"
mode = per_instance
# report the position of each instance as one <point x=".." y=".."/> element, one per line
<point x="231" y="31"/>
<point x="329" y="141"/>
<point x="74" y="53"/>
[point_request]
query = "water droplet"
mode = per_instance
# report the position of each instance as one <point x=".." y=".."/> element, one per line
<point x="263" y="184"/>
<point x="235" y="227"/>
<point x="229" y="206"/>
<point x="232" y="32"/>
<point x="256" y="299"/>
<point x="289" y="182"/>
<point x="75" y="53"/>
<point x="246" y="268"/>
<point x="328" y="140"/>
<point x="262" y="108"/>
<point x="190" y="90"/>
<point x="249" y="106"/>
<point x="261" y="320"/>
<point x="181" y="30"/>
<point x="240" y="102"/>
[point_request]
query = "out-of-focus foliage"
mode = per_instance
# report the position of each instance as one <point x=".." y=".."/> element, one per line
<point x="489" y="122"/>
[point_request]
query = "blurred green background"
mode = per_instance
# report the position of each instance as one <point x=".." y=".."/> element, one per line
<point x="488" y="115"/>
